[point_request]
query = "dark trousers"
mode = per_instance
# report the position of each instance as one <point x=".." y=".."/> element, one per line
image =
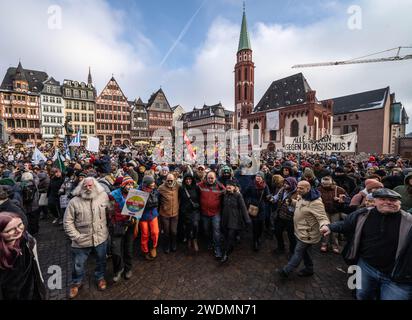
<point x="230" y="240"/>
<point x="282" y="225"/>
<point x="54" y="209"/>
<point x="257" y="229"/>
<point x="192" y="229"/>
<point x="44" y="211"/>
<point x="302" y="252"/>
<point x="33" y="220"/>
<point x="169" y="226"/>
<point x="122" y="251"/>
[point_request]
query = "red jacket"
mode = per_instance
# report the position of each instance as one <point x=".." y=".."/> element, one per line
<point x="211" y="198"/>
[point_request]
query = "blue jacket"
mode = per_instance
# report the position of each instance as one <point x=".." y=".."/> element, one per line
<point x="151" y="210"/>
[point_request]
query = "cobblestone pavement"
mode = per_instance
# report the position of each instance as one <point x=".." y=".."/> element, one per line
<point x="179" y="276"/>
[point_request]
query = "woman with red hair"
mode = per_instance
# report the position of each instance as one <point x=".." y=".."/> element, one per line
<point x="20" y="276"/>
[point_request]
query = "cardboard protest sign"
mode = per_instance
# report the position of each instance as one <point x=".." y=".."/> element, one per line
<point x="135" y="203"/>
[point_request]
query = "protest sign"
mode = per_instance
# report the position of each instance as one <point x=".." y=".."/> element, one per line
<point x="135" y="203"/>
<point x="327" y="144"/>
<point x="92" y="144"/>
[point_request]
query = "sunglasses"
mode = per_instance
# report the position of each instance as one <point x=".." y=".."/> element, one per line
<point x="170" y="180"/>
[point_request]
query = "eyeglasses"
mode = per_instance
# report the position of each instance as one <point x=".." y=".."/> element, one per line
<point x="170" y="180"/>
<point x="201" y="169"/>
<point x="20" y="228"/>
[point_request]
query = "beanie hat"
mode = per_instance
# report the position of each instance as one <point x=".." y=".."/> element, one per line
<point x="373" y="184"/>
<point x="147" y="180"/>
<point x="126" y="180"/>
<point x="260" y="174"/>
<point x="308" y="173"/>
<point x="226" y="169"/>
<point x="165" y="168"/>
<point x="158" y="168"/>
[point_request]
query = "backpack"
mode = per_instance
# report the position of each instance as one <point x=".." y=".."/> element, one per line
<point x="28" y="193"/>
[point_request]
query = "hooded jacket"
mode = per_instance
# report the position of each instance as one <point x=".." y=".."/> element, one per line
<point x="406" y="192"/>
<point x="169" y="200"/>
<point x="187" y="210"/>
<point x="85" y="219"/>
<point x="309" y="217"/>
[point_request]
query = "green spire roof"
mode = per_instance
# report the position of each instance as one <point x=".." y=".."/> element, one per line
<point x="244" y="42"/>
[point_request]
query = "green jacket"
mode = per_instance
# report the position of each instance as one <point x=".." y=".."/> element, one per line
<point x="406" y="202"/>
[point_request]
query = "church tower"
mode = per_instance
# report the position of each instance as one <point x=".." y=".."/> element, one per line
<point x="244" y="77"/>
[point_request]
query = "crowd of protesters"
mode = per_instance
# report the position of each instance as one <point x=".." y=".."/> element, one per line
<point x="311" y="198"/>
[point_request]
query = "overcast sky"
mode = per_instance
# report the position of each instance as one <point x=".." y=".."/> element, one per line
<point x="188" y="47"/>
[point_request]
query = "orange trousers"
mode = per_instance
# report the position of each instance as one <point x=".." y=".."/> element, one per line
<point x="149" y="228"/>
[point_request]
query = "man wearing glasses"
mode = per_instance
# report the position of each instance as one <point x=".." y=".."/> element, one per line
<point x="211" y="192"/>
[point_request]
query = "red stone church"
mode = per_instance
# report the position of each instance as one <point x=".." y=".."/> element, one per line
<point x="290" y="100"/>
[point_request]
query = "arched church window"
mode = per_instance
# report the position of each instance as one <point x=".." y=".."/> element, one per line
<point x="294" y="128"/>
<point x="256" y="135"/>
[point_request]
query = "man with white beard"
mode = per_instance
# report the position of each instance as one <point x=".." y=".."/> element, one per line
<point x="85" y="223"/>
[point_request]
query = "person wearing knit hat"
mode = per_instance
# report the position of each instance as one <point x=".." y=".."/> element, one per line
<point x="234" y="217"/>
<point x="169" y="209"/>
<point x="30" y="195"/>
<point x="122" y="230"/>
<point x="360" y="198"/>
<point x="127" y="182"/>
<point x="148" y="181"/>
<point x="256" y="196"/>
<point x="285" y="201"/>
<point x="148" y="223"/>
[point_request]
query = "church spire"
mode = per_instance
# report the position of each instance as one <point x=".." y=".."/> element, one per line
<point x="89" y="78"/>
<point x="244" y="41"/>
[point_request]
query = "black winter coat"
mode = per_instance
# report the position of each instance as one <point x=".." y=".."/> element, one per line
<point x="234" y="212"/>
<point x="187" y="211"/>
<point x="253" y="196"/>
<point x="24" y="281"/>
<point x="53" y="192"/>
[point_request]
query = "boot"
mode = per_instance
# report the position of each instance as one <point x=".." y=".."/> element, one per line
<point x="153" y="253"/>
<point x="224" y="258"/>
<point x="195" y="245"/>
<point x="166" y="246"/>
<point x="256" y="246"/>
<point x="174" y="243"/>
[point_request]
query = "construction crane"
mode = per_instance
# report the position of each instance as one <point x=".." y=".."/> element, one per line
<point x="360" y="59"/>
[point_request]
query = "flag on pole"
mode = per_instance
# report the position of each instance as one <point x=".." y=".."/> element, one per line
<point x="66" y="151"/>
<point x="192" y="153"/>
<point x="76" y="140"/>
<point x="38" y="156"/>
<point x="58" y="161"/>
